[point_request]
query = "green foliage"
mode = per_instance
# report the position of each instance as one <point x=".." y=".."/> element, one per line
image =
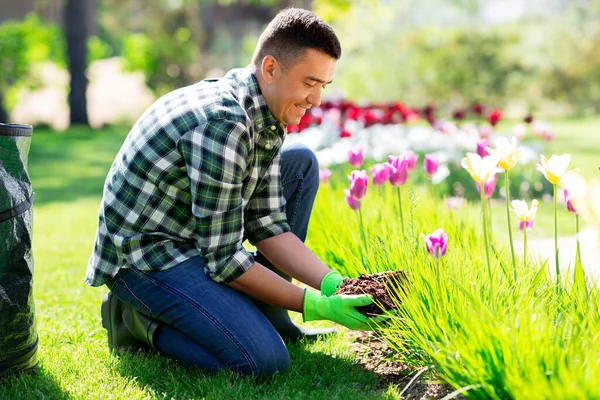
<point x="24" y="43"/>
<point x="98" y="49"/>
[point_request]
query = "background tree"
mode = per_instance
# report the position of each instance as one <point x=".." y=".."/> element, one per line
<point x="76" y="35"/>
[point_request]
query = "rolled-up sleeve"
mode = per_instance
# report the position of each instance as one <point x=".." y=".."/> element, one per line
<point x="266" y="209"/>
<point x="216" y="155"/>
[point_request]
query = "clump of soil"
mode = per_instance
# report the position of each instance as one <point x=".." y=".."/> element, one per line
<point x="377" y="285"/>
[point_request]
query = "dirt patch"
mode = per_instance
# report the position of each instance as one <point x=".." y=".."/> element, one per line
<point x="381" y="286"/>
<point x="376" y="356"/>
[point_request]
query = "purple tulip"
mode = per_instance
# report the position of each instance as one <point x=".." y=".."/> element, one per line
<point x="481" y="148"/>
<point x="569" y="202"/>
<point x="488" y="187"/>
<point x="411" y="159"/>
<point x="528" y="224"/>
<point x="355" y="157"/>
<point x="358" y="184"/>
<point x="398" y="170"/>
<point x="436" y="243"/>
<point x="431" y="164"/>
<point x="380" y="173"/>
<point x="324" y="175"/>
<point x="351" y="201"/>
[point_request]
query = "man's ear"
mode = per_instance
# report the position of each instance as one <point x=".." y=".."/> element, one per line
<point x="269" y="69"/>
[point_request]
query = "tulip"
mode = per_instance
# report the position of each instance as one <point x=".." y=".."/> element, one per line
<point x="528" y="118"/>
<point x="488" y="187"/>
<point x="481" y="169"/>
<point x="351" y="201"/>
<point x="324" y="175"/>
<point x="379" y="173"/>
<point x="436" y="243"/>
<point x="508" y="152"/>
<point x="494" y="116"/>
<point x="526" y="217"/>
<point x="482" y="146"/>
<point x="355" y="157"/>
<point x="359" y="181"/>
<point x="454" y="202"/>
<point x="524" y="213"/>
<point x="345" y="133"/>
<point x="430" y="164"/>
<point x="485" y="131"/>
<point x="477" y="109"/>
<point x="398" y="170"/>
<point x="411" y="159"/>
<point x="526" y="225"/>
<point x="569" y="202"/>
<point x="540" y="128"/>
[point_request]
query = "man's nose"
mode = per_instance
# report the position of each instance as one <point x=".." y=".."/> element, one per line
<point x="315" y="98"/>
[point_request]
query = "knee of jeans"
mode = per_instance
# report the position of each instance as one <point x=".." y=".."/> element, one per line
<point x="309" y="160"/>
<point x="271" y="362"/>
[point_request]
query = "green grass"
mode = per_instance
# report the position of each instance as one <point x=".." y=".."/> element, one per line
<point x="435" y="325"/>
<point x="68" y="172"/>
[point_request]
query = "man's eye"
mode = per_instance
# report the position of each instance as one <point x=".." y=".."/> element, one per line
<point x="309" y="85"/>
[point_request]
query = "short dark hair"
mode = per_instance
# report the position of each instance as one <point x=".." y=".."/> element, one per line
<point x="291" y="32"/>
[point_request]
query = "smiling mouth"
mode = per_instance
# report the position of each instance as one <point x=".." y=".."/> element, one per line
<point x="303" y="108"/>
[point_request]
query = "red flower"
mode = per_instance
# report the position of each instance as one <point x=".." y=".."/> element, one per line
<point x="345" y="133"/>
<point x="293" y="129"/>
<point x="494" y="116"/>
<point x="477" y="108"/>
<point x="528" y="119"/>
<point x="459" y="114"/>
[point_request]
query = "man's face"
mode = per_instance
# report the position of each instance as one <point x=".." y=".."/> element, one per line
<point x="293" y="91"/>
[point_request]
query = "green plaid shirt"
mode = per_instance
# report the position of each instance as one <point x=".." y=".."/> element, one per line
<point x="198" y="173"/>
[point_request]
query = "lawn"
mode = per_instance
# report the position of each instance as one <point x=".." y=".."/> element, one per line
<point x="68" y="171"/>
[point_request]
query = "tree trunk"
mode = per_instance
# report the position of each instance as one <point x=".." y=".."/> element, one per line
<point x="76" y="32"/>
<point x="3" y="112"/>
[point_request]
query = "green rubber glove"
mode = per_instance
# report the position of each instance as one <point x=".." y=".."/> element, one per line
<point x="330" y="283"/>
<point x="340" y="309"/>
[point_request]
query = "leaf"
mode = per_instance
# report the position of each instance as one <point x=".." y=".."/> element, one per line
<point x="502" y="265"/>
<point x="579" y="285"/>
<point x="537" y="278"/>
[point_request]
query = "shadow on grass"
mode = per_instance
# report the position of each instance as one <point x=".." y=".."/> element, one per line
<point x="36" y="384"/>
<point x="65" y="167"/>
<point x="310" y="374"/>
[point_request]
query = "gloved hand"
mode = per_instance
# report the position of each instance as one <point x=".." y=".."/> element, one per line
<point x="340" y="309"/>
<point x="330" y="283"/>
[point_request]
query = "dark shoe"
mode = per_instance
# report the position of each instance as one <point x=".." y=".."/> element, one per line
<point x="141" y="326"/>
<point x="120" y="337"/>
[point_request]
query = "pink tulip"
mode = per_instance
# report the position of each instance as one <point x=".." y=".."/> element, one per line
<point x="398" y="170"/>
<point x="481" y="148"/>
<point x="358" y="184"/>
<point x="569" y="202"/>
<point x="488" y="187"/>
<point x="528" y="224"/>
<point x="485" y="131"/>
<point x="436" y="243"/>
<point x="351" y="201"/>
<point x="411" y="159"/>
<point x="430" y="164"/>
<point x="324" y="175"/>
<point x="355" y="157"/>
<point x="379" y="173"/>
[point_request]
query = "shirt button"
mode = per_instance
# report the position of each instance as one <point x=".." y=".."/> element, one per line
<point x="272" y="127"/>
<point x="268" y="146"/>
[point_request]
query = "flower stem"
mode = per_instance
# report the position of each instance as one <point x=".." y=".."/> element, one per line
<point x="558" y="285"/>
<point x="400" y="211"/>
<point x="525" y="246"/>
<point x="364" y="239"/>
<point x="485" y="238"/>
<point x="578" y="257"/>
<point x="512" y="248"/>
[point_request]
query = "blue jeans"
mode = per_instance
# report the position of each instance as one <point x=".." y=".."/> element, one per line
<point x="209" y="324"/>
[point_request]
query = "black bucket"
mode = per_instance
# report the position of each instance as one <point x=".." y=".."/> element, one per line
<point x="18" y="334"/>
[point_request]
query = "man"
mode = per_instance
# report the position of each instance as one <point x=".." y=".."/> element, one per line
<point x="200" y="172"/>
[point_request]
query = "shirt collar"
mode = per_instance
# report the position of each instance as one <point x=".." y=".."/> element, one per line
<point x="262" y="118"/>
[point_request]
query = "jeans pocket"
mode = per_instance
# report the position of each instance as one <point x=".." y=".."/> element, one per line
<point x="123" y="291"/>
